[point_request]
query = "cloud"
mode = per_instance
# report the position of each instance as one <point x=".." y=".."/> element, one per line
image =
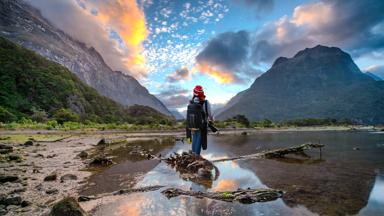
<point x="224" y="56"/>
<point x="93" y="21"/>
<point x="180" y="74"/>
<point x="378" y="70"/>
<point x="174" y="98"/>
<point x="258" y="5"/>
<point x="346" y="24"/>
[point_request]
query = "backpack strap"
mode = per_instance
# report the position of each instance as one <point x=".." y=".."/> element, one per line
<point x="206" y="108"/>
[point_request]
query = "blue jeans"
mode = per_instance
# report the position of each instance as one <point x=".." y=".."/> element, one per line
<point x="196" y="142"/>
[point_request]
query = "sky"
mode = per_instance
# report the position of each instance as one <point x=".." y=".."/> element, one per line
<point x="223" y="45"/>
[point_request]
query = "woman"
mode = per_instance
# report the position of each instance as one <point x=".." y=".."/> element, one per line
<point x="199" y="135"/>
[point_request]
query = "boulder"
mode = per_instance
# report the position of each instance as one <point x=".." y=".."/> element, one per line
<point x="67" y="206"/>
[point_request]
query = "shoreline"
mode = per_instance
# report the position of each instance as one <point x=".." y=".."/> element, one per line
<point x="170" y="132"/>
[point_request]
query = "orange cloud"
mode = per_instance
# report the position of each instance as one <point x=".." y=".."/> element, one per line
<point x="226" y="185"/>
<point x="314" y="15"/>
<point x="220" y="75"/>
<point x="128" y="20"/>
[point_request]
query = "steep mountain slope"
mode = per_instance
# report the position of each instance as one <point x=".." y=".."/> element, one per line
<point x="177" y="115"/>
<point x="24" y="25"/>
<point x="321" y="82"/>
<point x="374" y="76"/>
<point x="30" y="84"/>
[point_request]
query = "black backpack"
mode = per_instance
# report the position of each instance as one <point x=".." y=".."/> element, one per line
<point x="195" y="116"/>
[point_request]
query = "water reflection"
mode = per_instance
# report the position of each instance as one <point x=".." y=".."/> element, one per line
<point x="375" y="204"/>
<point x="342" y="182"/>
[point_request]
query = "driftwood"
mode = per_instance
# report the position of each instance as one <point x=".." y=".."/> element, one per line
<point x="119" y="192"/>
<point x="193" y="168"/>
<point x="277" y="153"/>
<point x="47" y="141"/>
<point x="245" y="196"/>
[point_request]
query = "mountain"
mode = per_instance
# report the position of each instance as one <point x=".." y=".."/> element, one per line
<point x="320" y="82"/>
<point x="24" y="25"/>
<point x="177" y="115"/>
<point x="31" y="85"/>
<point x="375" y="77"/>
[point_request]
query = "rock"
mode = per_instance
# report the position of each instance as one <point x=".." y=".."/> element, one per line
<point x="101" y="160"/>
<point x="51" y="156"/>
<point x="3" y="211"/>
<point x="244" y="133"/>
<point x="25" y="203"/>
<point x="52" y="191"/>
<point x="14" y="157"/>
<point x="5" y="149"/>
<point x="67" y="206"/>
<point x="6" y="178"/>
<point x="67" y="177"/>
<point x="51" y="177"/>
<point x="13" y="199"/>
<point x="102" y="142"/>
<point x="28" y="143"/>
<point x="83" y="154"/>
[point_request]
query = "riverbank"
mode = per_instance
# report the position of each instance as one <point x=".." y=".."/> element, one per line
<point x="166" y="132"/>
<point x="39" y="167"/>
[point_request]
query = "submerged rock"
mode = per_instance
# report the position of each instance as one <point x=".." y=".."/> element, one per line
<point x="67" y="207"/>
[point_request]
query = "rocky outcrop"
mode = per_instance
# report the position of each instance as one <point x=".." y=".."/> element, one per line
<point x="24" y="25"/>
<point x="320" y="82"/>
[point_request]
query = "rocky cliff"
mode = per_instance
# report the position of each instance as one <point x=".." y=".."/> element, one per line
<point x="320" y="82"/>
<point x="24" y="25"/>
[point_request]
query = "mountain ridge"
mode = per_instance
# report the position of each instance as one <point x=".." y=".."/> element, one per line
<point x="23" y="24"/>
<point x="34" y="87"/>
<point x="316" y="83"/>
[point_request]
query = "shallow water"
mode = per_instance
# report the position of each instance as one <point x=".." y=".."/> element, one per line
<point x="339" y="181"/>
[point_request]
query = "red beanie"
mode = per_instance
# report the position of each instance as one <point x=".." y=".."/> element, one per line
<point x="198" y="91"/>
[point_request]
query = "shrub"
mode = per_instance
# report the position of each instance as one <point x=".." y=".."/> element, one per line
<point x="65" y="115"/>
<point x="6" y="116"/>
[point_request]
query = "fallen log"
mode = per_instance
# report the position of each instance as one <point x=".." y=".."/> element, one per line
<point x="245" y="196"/>
<point x="277" y="153"/>
<point x="119" y="192"/>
